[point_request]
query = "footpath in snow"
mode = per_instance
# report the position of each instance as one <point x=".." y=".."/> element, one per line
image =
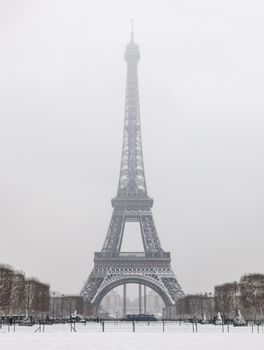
<point x="131" y="341"/>
<point x="119" y="336"/>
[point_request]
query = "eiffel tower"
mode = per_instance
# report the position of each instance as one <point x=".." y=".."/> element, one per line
<point x="112" y="267"/>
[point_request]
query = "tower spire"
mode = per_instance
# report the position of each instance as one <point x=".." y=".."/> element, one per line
<point x="132" y="30"/>
<point x="132" y="177"/>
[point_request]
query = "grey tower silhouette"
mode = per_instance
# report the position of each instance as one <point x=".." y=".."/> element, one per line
<point x="132" y="204"/>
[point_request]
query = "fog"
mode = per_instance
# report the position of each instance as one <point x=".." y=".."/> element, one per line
<point x="62" y="93"/>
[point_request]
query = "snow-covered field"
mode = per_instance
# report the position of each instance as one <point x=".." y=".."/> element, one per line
<point x="119" y="336"/>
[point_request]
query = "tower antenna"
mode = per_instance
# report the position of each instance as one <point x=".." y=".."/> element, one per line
<point x="132" y="29"/>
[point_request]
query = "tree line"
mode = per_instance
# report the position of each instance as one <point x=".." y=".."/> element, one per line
<point x="247" y="295"/>
<point x="22" y="296"/>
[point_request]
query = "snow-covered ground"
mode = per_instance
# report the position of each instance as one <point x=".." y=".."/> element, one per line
<point x="119" y="336"/>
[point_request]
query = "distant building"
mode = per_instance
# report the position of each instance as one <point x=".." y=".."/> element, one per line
<point x="63" y="306"/>
<point x="197" y="306"/>
<point x="154" y="303"/>
<point x="113" y="304"/>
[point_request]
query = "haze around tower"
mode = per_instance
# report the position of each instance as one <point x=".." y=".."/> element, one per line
<point x="62" y="94"/>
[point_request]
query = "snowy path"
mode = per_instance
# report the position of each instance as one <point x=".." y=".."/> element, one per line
<point x="119" y="336"/>
<point x="130" y="341"/>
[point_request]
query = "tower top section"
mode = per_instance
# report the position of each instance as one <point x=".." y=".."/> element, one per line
<point x="132" y="50"/>
<point x="132" y="184"/>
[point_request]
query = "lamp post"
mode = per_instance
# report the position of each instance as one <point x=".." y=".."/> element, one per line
<point x="28" y="286"/>
<point x="202" y="306"/>
<point x="62" y="296"/>
<point x="53" y="305"/>
<point x="70" y="309"/>
<point x="210" y="305"/>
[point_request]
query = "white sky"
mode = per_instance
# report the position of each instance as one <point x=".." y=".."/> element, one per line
<point x="62" y="90"/>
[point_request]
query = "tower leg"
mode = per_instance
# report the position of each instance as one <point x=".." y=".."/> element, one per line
<point x="139" y="299"/>
<point x="145" y="299"/>
<point x="124" y="300"/>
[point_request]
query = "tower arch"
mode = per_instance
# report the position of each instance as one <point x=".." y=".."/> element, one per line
<point x="132" y="279"/>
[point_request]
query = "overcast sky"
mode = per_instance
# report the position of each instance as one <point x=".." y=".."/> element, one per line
<point x="62" y="92"/>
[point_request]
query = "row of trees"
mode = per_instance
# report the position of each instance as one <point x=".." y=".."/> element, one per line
<point x="21" y="296"/>
<point x="246" y="295"/>
<point x="200" y="306"/>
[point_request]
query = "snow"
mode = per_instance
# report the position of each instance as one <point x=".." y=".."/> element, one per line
<point x="119" y="336"/>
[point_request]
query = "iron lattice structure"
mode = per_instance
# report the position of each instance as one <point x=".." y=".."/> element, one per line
<point x="132" y="204"/>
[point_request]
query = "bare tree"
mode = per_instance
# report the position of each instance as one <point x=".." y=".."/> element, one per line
<point x="37" y="295"/>
<point x="226" y="299"/>
<point x="252" y="295"/>
<point x="44" y="295"/>
<point x="6" y="279"/>
<point x="197" y="306"/>
<point x="18" y="294"/>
